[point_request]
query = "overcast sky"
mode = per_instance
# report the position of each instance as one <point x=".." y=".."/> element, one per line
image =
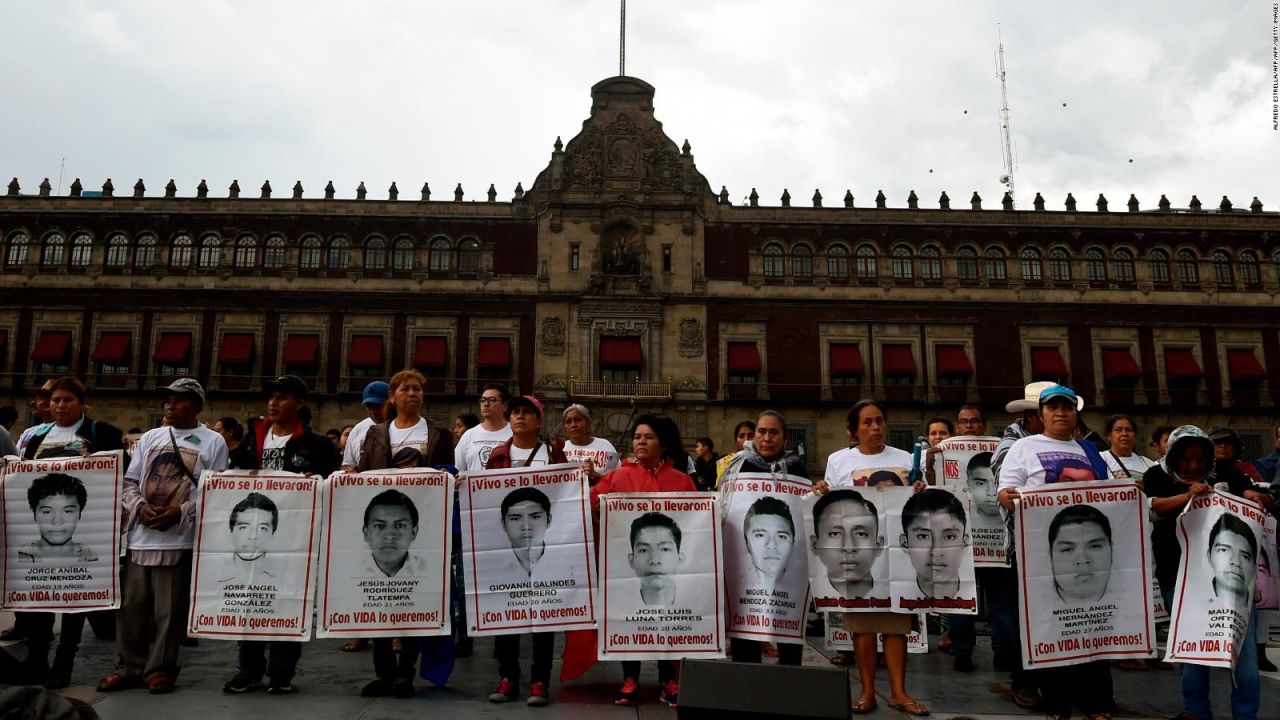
<point x="800" y="94"/>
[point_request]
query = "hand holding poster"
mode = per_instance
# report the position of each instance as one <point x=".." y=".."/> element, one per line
<point x="1220" y="536"/>
<point x="528" y="550"/>
<point x="966" y="462"/>
<point x="385" y="554"/>
<point x="255" y="556"/>
<point x="767" y="569"/>
<point x="62" y="533"/>
<point x="1084" y="573"/>
<point x="663" y="568"/>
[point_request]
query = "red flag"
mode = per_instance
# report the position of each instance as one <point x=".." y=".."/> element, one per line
<point x="579" y="654"/>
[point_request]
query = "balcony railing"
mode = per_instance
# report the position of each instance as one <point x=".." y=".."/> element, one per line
<point x="620" y="389"/>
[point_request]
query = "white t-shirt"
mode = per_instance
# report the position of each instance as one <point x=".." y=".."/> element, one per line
<point x="472" y="452"/>
<point x="60" y="441"/>
<point x="1039" y="460"/>
<point x="1134" y="465"/>
<point x="351" y="453"/>
<point x="520" y="456"/>
<point x="273" y="450"/>
<point x="409" y="445"/>
<point x="850" y="467"/>
<point x="599" y="451"/>
<point x="154" y="477"/>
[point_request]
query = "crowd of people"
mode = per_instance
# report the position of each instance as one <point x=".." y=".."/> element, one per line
<point x="163" y="466"/>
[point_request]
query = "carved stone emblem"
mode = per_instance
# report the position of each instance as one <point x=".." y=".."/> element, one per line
<point x="690" y="338"/>
<point x="552" y="336"/>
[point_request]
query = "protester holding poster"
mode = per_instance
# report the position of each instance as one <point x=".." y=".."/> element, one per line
<point x="472" y="451"/>
<point x="596" y="455"/>
<point x="281" y="444"/>
<point x="404" y="440"/>
<point x="159" y="499"/>
<point x="1122" y="461"/>
<point x="1046" y="459"/>
<point x="655" y="447"/>
<point x="767" y="576"/>
<point x="525" y="515"/>
<point x="848" y="540"/>
<point x="1187" y="473"/>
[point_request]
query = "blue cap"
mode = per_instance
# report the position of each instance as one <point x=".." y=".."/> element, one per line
<point x="1060" y="391"/>
<point x="375" y="393"/>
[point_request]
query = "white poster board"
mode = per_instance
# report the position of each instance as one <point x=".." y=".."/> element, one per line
<point x="966" y="462"/>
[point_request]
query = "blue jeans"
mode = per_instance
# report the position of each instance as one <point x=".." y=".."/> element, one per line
<point x="998" y="589"/>
<point x="1246" y="690"/>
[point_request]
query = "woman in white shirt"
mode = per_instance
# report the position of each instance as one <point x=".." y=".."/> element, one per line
<point x="1122" y="461"/>
<point x="596" y="455"/>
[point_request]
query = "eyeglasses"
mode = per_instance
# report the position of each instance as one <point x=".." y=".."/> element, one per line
<point x="490" y="400"/>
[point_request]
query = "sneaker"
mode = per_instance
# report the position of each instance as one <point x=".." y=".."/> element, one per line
<point x="506" y="692"/>
<point x="377" y="687"/>
<point x="629" y="693"/>
<point x="241" y="683"/>
<point x="404" y="689"/>
<point x="670" y="693"/>
<point x="284" y="687"/>
<point x="538" y="695"/>
<point x="963" y="663"/>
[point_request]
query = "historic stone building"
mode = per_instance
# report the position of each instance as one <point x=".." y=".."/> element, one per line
<point x="621" y="279"/>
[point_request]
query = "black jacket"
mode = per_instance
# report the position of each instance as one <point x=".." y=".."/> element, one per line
<point x="100" y="436"/>
<point x="307" y="452"/>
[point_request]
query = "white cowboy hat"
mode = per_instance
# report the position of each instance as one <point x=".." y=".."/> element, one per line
<point x="1031" y="398"/>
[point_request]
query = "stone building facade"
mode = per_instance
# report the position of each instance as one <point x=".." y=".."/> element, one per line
<point x="622" y="280"/>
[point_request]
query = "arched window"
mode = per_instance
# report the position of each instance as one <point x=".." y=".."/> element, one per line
<point x="1059" y="265"/>
<point x="1032" y="267"/>
<point x="774" y="264"/>
<point x="117" y="251"/>
<point x="210" y="252"/>
<point x="402" y="254"/>
<point x="838" y="263"/>
<point x="930" y="263"/>
<point x="967" y="264"/>
<point x="16" y="254"/>
<point x="81" y="250"/>
<point x="1158" y="263"/>
<point x="182" y="252"/>
<point x="469" y="256"/>
<point x="145" y="255"/>
<point x="1222" y="268"/>
<point x="309" y="253"/>
<point x="1249" y="268"/>
<point x="900" y="264"/>
<point x="375" y="254"/>
<point x="802" y="261"/>
<point x="1122" y="265"/>
<point x="246" y="252"/>
<point x="439" y="253"/>
<point x="273" y="254"/>
<point x="339" y="253"/>
<point x="55" y="250"/>
<point x="1095" y="266"/>
<point x="997" y="269"/>
<point x="865" y="262"/>
<point x="1188" y="268"/>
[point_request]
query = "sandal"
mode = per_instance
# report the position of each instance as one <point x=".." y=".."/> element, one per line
<point x="355" y="645"/>
<point x="119" y="681"/>
<point x="842" y="658"/>
<point x="160" y="684"/>
<point x="910" y="707"/>
<point x="864" y="707"/>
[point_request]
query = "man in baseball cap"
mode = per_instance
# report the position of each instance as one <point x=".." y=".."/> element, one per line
<point x="374" y="400"/>
<point x="184" y="386"/>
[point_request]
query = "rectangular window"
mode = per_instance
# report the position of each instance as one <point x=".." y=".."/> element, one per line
<point x="111" y="354"/>
<point x="666" y="258"/>
<point x="575" y="257"/>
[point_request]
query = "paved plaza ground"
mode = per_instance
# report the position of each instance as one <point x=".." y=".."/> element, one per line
<point x="329" y="683"/>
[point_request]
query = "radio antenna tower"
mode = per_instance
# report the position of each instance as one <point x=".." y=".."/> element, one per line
<point x="1006" y="144"/>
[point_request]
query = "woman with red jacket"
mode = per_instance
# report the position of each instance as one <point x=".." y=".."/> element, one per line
<point x="656" y="447"/>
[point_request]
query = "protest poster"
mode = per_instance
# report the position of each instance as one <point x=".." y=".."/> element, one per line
<point x="663" y="577"/>
<point x="1268" y="578"/>
<point x="528" y="550"/>
<point x="840" y="639"/>
<point x="1084" y="576"/>
<point x="864" y="558"/>
<point x="966" y="462"/>
<point x="384" y="553"/>
<point x="256" y="539"/>
<point x="1159" y="612"/>
<point x="62" y="533"/>
<point x="766" y="566"/>
<point x="1220" y="536"/>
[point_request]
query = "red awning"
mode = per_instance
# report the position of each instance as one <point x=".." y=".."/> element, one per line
<point x="1180" y="364"/>
<point x="112" y="348"/>
<point x="301" y="350"/>
<point x="1046" y="362"/>
<point x="1118" y="364"/>
<point x="237" y="349"/>
<point x="1243" y="365"/>
<point x="52" y="346"/>
<point x="173" y="349"/>
<point x="365" y="351"/>
<point x="744" y="358"/>
<point x="953" y="361"/>
<point x="493" y="353"/>
<point x="898" y="360"/>
<point x="431" y="352"/>
<point x="846" y="359"/>
<point x="620" y="352"/>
